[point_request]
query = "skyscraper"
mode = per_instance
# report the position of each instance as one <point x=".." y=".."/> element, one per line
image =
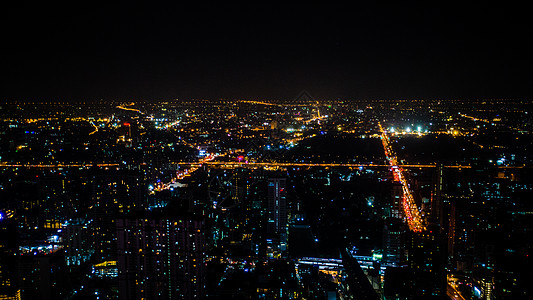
<point x="437" y="209"/>
<point x="397" y="197"/>
<point x="277" y="214"/>
<point x="78" y="242"/>
<point x="161" y="257"/>
<point x="8" y="260"/>
<point x="393" y="242"/>
<point x="426" y="258"/>
<point x="277" y="205"/>
<point x="113" y="194"/>
<point x="42" y="272"/>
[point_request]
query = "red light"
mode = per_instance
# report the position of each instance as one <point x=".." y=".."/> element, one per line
<point x="126" y="124"/>
<point x="240" y="157"/>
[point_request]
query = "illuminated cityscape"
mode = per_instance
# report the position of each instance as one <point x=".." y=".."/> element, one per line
<point x="171" y="200"/>
<point x="366" y="150"/>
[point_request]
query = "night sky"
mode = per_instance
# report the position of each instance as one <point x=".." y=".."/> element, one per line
<point x="127" y="51"/>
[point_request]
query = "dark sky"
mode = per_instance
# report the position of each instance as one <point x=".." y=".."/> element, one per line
<point x="127" y="51"/>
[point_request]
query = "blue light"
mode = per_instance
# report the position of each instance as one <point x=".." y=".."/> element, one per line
<point x="477" y="292"/>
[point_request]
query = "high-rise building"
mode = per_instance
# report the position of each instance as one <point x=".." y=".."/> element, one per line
<point x="55" y="205"/>
<point x="277" y="205"/>
<point x="114" y="194"/>
<point x="424" y="275"/>
<point x="277" y="215"/>
<point x="42" y="272"/>
<point x="437" y="206"/>
<point x="452" y="235"/>
<point x="161" y="257"/>
<point x="393" y="242"/>
<point x="426" y="258"/>
<point x="8" y="259"/>
<point x="397" y="198"/>
<point x="78" y="242"/>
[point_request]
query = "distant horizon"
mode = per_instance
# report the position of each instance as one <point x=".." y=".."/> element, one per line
<point x="288" y="99"/>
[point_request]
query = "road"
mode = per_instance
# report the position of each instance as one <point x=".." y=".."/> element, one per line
<point x="124" y="107"/>
<point x="453" y="293"/>
<point x="411" y="214"/>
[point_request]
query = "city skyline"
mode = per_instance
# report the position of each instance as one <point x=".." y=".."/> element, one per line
<point x="372" y="151"/>
<point x="305" y="198"/>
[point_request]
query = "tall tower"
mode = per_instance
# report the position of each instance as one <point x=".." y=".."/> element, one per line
<point x="277" y="213"/>
<point x="277" y="205"/>
<point x="452" y="235"/>
<point x="437" y="209"/>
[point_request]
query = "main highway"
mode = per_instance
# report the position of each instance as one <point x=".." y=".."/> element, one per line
<point x="411" y="212"/>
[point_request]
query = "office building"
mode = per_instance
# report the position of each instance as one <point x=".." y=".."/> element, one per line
<point x="161" y="257"/>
